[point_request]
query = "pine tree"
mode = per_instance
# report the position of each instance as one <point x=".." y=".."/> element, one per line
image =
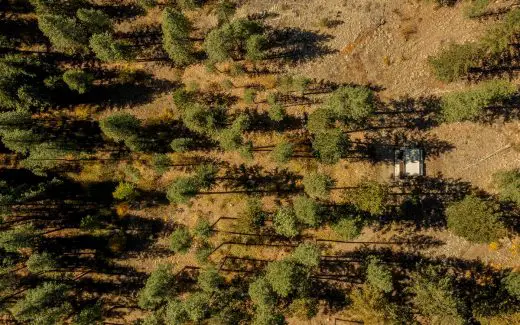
<point x="78" y="80"/>
<point x="158" y="288"/>
<point x="94" y="20"/>
<point x="176" y="29"/>
<point x="65" y="34"/>
<point x="108" y="49"/>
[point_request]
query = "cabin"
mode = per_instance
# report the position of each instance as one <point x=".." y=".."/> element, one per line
<point x="408" y="162"/>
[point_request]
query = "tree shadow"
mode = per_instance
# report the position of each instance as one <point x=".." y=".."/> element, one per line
<point x="121" y="11"/>
<point x="260" y="121"/>
<point x="297" y="45"/>
<point x="256" y="178"/>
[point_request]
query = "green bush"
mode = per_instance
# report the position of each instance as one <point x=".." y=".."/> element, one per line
<point x="125" y="191"/>
<point x="321" y="120"/>
<point x="285" y="222"/>
<point x="475" y="219"/>
<point x="180" y="240"/>
<point x="249" y="95"/>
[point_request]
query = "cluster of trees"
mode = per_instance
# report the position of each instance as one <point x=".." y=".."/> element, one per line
<point x="455" y="61"/>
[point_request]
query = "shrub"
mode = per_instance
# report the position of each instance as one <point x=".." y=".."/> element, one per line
<point x="180" y="240"/>
<point x="285" y="222"/>
<point x="161" y="163"/>
<point x="475" y="219"/>
<point x="470" y="104"/>
<point x="78" y="80"/>
<point x="348" y="228"/>
<point x="225" y="11"/>
<point x="307" y="210"/>
<point x="203" y="251"/>
<point x="372" y="306"/>
<point x="330" y="145"/>
<point x="249" y="95"/>
<point x="508" y="183"/>
<point x="379" y="276"/>
<point x="352" y="104"/>
<point x="317" y="185"/>
<point x="125" y="191"/>
<point x="282" y="152"/>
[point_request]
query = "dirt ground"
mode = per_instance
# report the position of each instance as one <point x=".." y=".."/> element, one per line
<point x="385" y="43"/>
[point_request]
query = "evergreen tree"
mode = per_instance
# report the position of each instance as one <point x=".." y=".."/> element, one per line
<point x="475" y="219"/>
<point x="261" y="293"/>
<point x="45" y="304"/>
<point x="321" y="120"/>
<point x="125" y="191"/>
<point x="158" y="288"/>
<point x="108" y="49"/>
<point x="21" y="141"/>
<point x="306" y="254"/>
<point x="508" y="183"/>
<point x="94" y="20"/>
<point x="330" y="145"/>
<point x="78" y="80"/>
<point x="348" y="228"/>
<point x="225" y="10"/>
<point x="454" y="61"/>
<point x="90" y="315"/>
<point x="282" y="152"/>
<point x="352" y="104"/>
<point x="120" y="126"/>
<point x="317" y="185"/>
<point x="64" y="33"/>
<point x="370" y="196"/>
<point x="175" y="313"/>
<point x="197" y="306"/>
<point x="255" y="47"/>
<point x="435" y="298"/>
<point x="180" y="240"/>
<point x="176" y="29"/>
<point x="512" y="284"/>
<point x="253" y="217"/>
<point x="285" y="222"/>
<point x="209" y="280"/>
<point x="41" y="263"/>
<point x="182" y="190"/>
<point x="286" y="277"/>
<point x="371" y="306"/>
<point x="307" y="210"/>
<point x="18" y="237"/>
<point x="379" y="276"/>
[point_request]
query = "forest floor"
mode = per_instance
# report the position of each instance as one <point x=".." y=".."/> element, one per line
<point x="383" y="43"/>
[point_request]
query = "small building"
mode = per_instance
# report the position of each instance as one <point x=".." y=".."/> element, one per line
<point x="408" y="162"/>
